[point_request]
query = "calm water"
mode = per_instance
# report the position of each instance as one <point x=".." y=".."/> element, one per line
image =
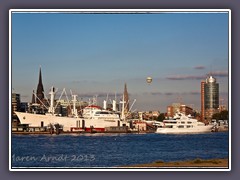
<point x="109" y="150"/>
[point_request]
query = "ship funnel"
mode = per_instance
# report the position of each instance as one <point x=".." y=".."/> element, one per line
<point x="74" y="100"/>
<point x="114" y="105"/>
<point x="52" y="94"/>
<point x="104" y="104"/>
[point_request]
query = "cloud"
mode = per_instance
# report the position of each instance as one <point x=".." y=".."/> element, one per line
<point x="100" y="94"/>
<point x="24" y="96"/>
<point x="194" y="93"/>
<point x="84" y="82"/>
<point x="185" y="77"/>
<point x="198" y="77"/>
<point x="190" y="93"/>
<point x="199" y="67"/>
<point x="156" y="93"/>
<point x="171" y="93"/>
<point x="220" y="73"/>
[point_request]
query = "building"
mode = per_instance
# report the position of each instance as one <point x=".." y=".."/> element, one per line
<point x="209" y="98"/>
<point x="38" y="103"/>
<point x="178" y="107"/>
<point x="202" y="101"/>
<point x="16" y="102"/>
<point x="65" y="107"/>
<point x="149" y="115"/>
<point x="125" y="102"/>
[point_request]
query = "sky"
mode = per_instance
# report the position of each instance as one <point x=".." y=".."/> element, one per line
<point x="95" y="54"/>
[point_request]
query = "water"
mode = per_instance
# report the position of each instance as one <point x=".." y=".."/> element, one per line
<point x="112" y="150"/>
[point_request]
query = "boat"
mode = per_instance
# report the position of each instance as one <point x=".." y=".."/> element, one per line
<point x="181" y="123"/>
<point x="94" y="118"/>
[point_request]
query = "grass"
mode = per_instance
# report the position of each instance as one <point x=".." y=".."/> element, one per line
<point x="212" y="161"/>
<point x="223" y="163"/>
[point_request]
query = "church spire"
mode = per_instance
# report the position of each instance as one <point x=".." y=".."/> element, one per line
<point x="40" y="90"/>
<point x="126" y="99"/>
<point x="40" y="76"/>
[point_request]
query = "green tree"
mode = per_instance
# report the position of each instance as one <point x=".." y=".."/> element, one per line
<point x="216" y="116"/>
<point x="161" y="117"/>
<point x="223" y="115"/>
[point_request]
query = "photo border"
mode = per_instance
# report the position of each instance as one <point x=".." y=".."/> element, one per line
<point x="133" y="11"/>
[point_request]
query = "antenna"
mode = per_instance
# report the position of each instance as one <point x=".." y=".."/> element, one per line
<point x="179" y="98"/>
<point x="210" y="74"/>
<point x="107" y="98"/>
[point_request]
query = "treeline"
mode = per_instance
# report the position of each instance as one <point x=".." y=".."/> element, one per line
<point x="223" y="115"/>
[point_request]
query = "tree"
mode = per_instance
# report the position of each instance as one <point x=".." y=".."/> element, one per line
<point x="223" y="115"/>
<point x="161" y="117"/>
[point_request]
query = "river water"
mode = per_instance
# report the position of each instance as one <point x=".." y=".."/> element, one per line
<point x="112" y="150"/>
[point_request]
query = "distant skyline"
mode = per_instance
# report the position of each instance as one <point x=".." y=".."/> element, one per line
<point x="96" y="54"/>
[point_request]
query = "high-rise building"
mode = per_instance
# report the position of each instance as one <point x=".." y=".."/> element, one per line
<point x="202" y="101"/>
<point x="40" y="90"/>
<point x="209" y="98"/>
<point x="16" y="102"/>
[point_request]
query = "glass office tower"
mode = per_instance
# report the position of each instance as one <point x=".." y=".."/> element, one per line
<point x="211" y="97"/>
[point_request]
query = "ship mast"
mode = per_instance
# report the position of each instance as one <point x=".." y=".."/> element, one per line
<point x="123" y="109"/>
<point x="52" y="94"/>
<point x="74" y="100"/>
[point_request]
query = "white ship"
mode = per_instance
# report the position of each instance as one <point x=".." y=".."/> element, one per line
<point x="182" y="124"/>
<point x="94" y="118"/>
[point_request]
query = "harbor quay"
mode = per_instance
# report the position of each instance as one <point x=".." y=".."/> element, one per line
<point x="25" y="129"/>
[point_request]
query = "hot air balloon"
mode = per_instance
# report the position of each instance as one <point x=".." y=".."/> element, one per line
<point x="149" y="80"/>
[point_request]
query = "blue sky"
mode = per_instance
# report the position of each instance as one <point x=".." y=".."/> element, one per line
<point x="95" y="54"/>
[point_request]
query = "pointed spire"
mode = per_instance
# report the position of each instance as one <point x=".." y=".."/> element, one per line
<point x="40" y="90"/>
<point x="40" y="76"/>
<point x="126" y="99"/>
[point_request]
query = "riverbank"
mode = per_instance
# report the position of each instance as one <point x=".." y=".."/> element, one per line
<point x="201" y="163"/>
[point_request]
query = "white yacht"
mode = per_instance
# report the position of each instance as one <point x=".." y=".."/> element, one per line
<point x="183" y="124"/>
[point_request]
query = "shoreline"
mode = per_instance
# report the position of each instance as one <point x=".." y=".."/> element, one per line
<point x="106" y="132"/>
<point x="196" y="163"/>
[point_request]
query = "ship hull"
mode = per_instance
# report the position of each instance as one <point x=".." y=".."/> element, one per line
<point x="201" y="129"/>
<point x="68" y="123"/>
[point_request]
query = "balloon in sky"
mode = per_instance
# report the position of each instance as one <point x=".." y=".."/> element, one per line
<point x="149" y="80"/>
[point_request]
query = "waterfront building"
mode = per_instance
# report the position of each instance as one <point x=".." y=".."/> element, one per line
<point x="39" y="103"/>
<point x="65" y="107"/>
<point x="178" y="107"/>
<point x="65" y="103"/>
<point x="202" y="101"/>
<point x="150" y="115"/>
<point x="209" y="98"/>
<point x="16" y="102"/>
